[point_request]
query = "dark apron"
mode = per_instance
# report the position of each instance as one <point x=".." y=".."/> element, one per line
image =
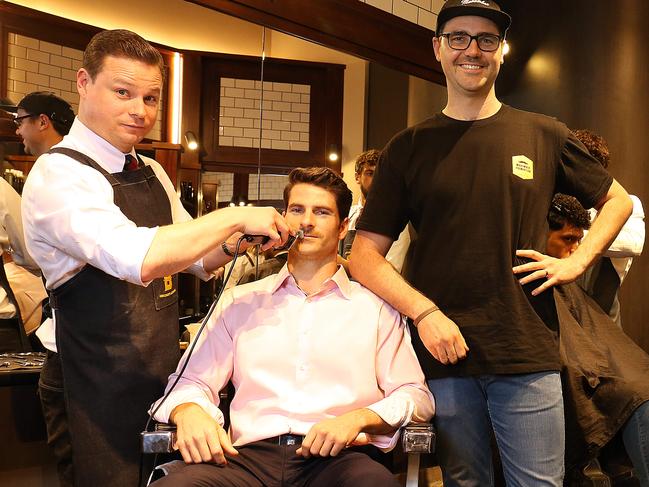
<point x="118" y="343"/>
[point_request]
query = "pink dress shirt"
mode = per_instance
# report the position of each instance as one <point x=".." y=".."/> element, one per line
<point x="295" y="360"/>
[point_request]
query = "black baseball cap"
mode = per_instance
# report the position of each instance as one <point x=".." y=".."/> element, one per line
<point x="47" y="103"/>
<point x="480" y="8"/>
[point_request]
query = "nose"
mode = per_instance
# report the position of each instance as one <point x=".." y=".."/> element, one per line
<point x="307" y="221"/>
<point x="472" y="49"/>
<point x="137" y="107"/>
<point x="573" y="247"/>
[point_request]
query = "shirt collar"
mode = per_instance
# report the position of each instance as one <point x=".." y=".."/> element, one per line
<point x="99" y="149"/>
<point x="339" y="280"/>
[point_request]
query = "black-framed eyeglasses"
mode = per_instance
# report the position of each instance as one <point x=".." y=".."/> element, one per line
<point x="461" y="40"/>
<point x="19" y="120"/>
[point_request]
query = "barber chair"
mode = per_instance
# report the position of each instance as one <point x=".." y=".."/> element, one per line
<point x="416" y="439"/>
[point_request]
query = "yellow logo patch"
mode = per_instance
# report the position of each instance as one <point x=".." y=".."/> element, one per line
<point x="169" y="283"/>
<point x="523" y="167"/>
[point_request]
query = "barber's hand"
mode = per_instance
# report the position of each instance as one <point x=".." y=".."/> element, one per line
<point x="265" y="221"/>
<point x="442" y="338"/>
<point x="199" y="437"/>
<point x="554" y="271"/>
<point x="331" y="436"/>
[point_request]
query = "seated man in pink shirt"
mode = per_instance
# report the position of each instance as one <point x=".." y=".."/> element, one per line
<point x="319" y="364"/>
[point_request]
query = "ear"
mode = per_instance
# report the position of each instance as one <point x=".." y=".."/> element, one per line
<point x="436" y="46"/>
<point x="342" y="229"/>
<point x="358" y="178"/>
<point x="83" y="80"/>
<point x="43" y="122"/>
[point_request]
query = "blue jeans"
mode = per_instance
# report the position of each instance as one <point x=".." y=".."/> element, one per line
<point x="636" y="442"/>
<point x="525" y="413"/>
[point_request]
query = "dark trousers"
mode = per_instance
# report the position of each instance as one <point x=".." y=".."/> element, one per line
<point x="265" y="464"/>
<point x="50" y="390"/>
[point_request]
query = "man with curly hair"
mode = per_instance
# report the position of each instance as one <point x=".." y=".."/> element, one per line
<point x="364" y="169"/>
<point x="567" y="220"/>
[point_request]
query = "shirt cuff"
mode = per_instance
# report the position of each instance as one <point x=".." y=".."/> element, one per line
<point x="177" y="398"/>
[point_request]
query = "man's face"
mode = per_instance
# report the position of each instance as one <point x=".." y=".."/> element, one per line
<point x="364" y="179"/>
<point x="30" y="131"/>
<point x="121" y="104"/>
<point x="313" y="210"/>
<point x="563" y="242"/>
<point x="471" y="71"/>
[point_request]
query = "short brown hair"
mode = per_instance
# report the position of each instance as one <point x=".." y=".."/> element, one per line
<point x="596" y="145"/>
<point x="325" y="178"/>
<point x="367" y="158"/>
<point x="119" y="43"/>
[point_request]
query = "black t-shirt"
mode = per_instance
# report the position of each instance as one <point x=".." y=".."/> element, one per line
<point x="476" y="191"/>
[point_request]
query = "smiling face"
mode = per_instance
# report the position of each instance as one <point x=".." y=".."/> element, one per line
<point x="469" y="72"/>
<point x="313" y="210"/>
<point x="29" y="130"/>
<point x="121" y="103"/>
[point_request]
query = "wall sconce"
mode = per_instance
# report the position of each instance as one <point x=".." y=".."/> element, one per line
<point x="191" y="140"/>
<point x="239" y="201"/>
<point x="333" y="153"/>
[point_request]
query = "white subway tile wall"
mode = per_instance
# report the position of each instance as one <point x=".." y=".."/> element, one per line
<point x="224" y="182"/>
<point x="271" y="186"/>
<point x="421" y="12"/>
<point x="285" y="115"/>
<point x="35" y="65"/>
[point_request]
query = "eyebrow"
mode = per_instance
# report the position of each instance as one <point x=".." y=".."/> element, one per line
<point x="120" y="80"/>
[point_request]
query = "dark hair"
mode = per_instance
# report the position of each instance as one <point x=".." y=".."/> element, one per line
<point x="367" y="158"/>
<point x="325" y="178"/>
<point x="119" y="43"/>
<point x="54" y="107"/>
<point x="596" y="145"/>
<point x="566" y="209"/>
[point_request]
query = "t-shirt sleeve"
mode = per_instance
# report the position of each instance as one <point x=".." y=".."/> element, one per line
<point x="580" y="174"/>
<point x="386" y="209"/>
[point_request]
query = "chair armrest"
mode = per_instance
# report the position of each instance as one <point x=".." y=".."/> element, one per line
<point x="418" y="438"/>
<point x="161" y="440"/>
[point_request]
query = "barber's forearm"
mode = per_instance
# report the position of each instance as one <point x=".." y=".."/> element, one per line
<point x="612" y="215"/>
<point x="370" y="268"/>
<point x="176" y="247"/>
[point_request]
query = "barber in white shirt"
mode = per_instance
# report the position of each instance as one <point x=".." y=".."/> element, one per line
<point x="110" y="234"/>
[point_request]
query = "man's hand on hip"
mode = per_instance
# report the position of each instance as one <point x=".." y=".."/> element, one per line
<point x="554" y="271"/>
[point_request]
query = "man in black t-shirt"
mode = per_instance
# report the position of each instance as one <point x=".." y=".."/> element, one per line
<point x="490" y="349"/>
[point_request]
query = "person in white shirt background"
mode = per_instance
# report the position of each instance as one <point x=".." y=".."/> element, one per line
<point x="364" y="169"/>
<point x="109" y="233"/>
<point x="603" y="279"/>
<point x="318" y="362"/>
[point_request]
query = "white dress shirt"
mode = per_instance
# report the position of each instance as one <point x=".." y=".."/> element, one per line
<point x="27" y="286"/>
<point x="296" y="360"/>
<point x="629" y="242"/>
<point x="70" y="219"/>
